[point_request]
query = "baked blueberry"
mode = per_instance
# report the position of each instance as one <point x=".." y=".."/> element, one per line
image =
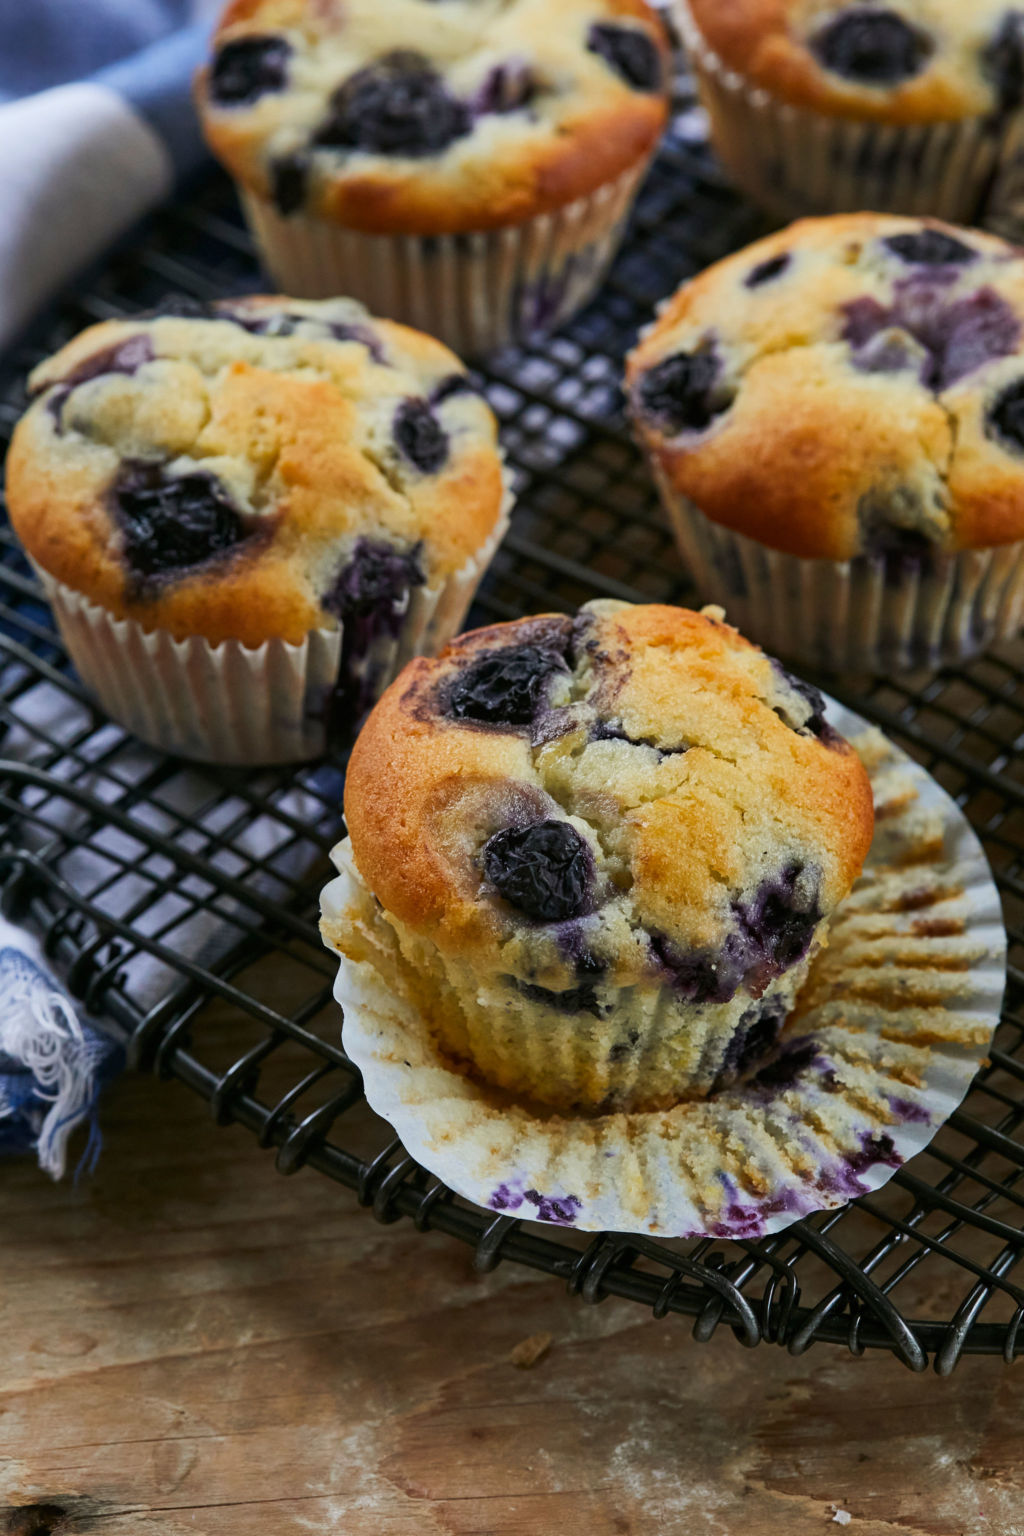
<point x="815" y="724"/>
<point x="247" y="68"/>
<point x="420" y="436"/>
<point x="680" y="393"/>
<point x="958" y="335"/>
<point x="767" y="271"/>
<point x="506" y="88"/>
<point x="172" y="523"/>
<point x="1003" y="61"/>
<point x="779" y="924"/>
<point x="544" y="870"/>
<point x="872" y="46"/>
<point x="398" y="105"/>
<point x="289" y="175"/>
<point x="1005" y="420"/>
<point x="505" y="687"/>
<point x="630" y="52"/>
<point x="758" y="1029"/>
<point x="581" y="999"/>
<point x="930" y="248"/>
<point x="454" y="384"/>
<point x="375" y="580"/>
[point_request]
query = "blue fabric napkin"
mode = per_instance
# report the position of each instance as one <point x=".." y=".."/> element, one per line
<point x="96" y="124"/>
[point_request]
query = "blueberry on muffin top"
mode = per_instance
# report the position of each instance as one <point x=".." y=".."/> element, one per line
<point x="254" y="469"/>
<point x="636" y="796"/>
<point x="846" y="387"/>
<point x="896" y="60"/>
<point x="433" y="116"/>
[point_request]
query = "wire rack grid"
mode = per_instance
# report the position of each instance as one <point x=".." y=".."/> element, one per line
<point x="162" y="890"/>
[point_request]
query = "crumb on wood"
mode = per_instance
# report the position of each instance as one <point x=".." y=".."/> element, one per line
<point x="841" y="1517"/>
<point x="529" y="1351"/>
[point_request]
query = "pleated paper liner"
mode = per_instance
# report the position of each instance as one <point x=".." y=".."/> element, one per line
<point x="237" y="704"/>
<point x="475" y="292"/>
<point x="887" y="1034"/>
<point x="794" y="161"/>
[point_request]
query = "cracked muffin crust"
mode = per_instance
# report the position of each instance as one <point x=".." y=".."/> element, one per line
<point x="598" y="853"/>
<point x="432" y="116"/>
<point x="258" y="472"/>
<point x="898" y="61"/>
<point x="851" y="386"/>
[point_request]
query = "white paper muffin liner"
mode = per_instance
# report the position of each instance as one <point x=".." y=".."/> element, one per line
<point x="870" y="614"/>
<point x="888" y="1032"/>
<point x="795" y="162"/>
<point x="231" y="703"/>
<point x="475" y="292"/>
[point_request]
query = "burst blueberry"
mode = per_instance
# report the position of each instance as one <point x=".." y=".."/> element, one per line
<point x="629" y="52"/>
<point x="398" y="105"/>
<point x="872" y="46"/>
<point x="681" y="393"/>
<point x="172" y="523"/>
<point x="930" y="248"/>
<point x="1005" y="421"/>
<point x="767" y="271"/>
<point x="544" y="870"/>
<point x="420" y="436"/>
<point x="247" y="68"/>
<point x="289" y="176"/>
<point x="504" y="687"/>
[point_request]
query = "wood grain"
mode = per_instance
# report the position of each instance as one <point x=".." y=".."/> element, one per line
<point x="192" y="1343"/>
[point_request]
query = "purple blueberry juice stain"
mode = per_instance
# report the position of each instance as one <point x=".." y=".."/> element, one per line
<point x="247" y="68"/>
<point x="561" y="1210"/>
<point x="630" y="53"/>
<point x="871" y="46"/>
<point x="370" y="598"/>
<point x="398" y="105"/>
<point x="506" y="1198"/>
<point x="910" y="1112"/>
<point x="125" y="357"/>
<point x="544" y="871"/>
<point x="957" y="335"/>
<point x="173" y="524"/>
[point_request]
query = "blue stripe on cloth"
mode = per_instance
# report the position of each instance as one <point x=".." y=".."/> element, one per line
<point x="47" y="42"/>
<point x="157" y="83"/>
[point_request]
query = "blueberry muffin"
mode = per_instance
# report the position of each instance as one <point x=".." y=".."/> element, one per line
<point x="463" y="165"/>
<point x="248" y="516"/>
<point x="835" y="417"/>
<point x="907" y="105"/>
<point x="597" y="854"/>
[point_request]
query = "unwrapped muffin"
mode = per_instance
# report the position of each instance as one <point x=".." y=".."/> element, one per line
<point x="596" y="855"/>
<point x="913" y="106"/>
<point x="835" y="417"/>
<point x="463" y="166"/>
<point x="247" y="517"/>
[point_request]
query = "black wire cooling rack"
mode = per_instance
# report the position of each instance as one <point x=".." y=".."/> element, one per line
<point x="163" y="891"/>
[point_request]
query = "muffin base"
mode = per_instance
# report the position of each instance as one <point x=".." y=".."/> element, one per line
<point x="235" y="704"/>
<point x="475" y="292"/>
<point x="794" y="162"/>
<point x="887" y="1034"/>
<point x="870" y="614"/>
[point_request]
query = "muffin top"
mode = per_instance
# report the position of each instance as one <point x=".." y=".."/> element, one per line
<point x="433" y="116"/>
<point x="638" y="795"/>
<point x="901" y="61"/>
<point x="851" y="385"/>
<point x="254" y="469"/>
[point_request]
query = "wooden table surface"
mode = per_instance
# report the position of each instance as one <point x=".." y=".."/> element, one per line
<point x="192" y="1343"/>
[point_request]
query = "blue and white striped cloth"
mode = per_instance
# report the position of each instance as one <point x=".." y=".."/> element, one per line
<point x="96" y="125"/>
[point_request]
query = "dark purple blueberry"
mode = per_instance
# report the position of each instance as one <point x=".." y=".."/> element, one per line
<point x="630" y="53"/>
<point x="454" y="384"/>
<point x="420" y="436"/>
<point x="288" y="178"/>
<point x="370" y="596"/>
<point x="903" y="551"/>
<point x="582" y="999"/>
<point x="779" y="925"/>
<point x="1005" y="420"/>
<point x="756" y="1033"/>
<point x="504" y="687"/>
<point x="247" y="68"/>
<point x="1003" y="62"/>
<point x="815" y="724"/>
<point x="679" y="394"/>
<point x="281" y="322"/>
<point x="399" y="105"/>
<point x="172" y="523"/>
<point x="697" y="977"/>
<point x="872" y="46"/>
<point x="930" y="248"/>
<point x="561" y="1211"/>
<point x="767" y="271"/>
<point x="543" y="871"/>
<point x="784" y="1070"/>
<point x="958" y="336"/>
<point x="506" y="88"/>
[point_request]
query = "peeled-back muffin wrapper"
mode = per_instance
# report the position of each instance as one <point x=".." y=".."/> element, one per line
<point x="475" y="292"/>
<point x="888" y="1032"/>
<point x="796" y="162"/>
<point x="852" y="615"/>
<point x="237" y="704"/>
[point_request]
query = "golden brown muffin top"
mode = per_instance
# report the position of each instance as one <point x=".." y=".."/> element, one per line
<point x="433" y="116"/>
